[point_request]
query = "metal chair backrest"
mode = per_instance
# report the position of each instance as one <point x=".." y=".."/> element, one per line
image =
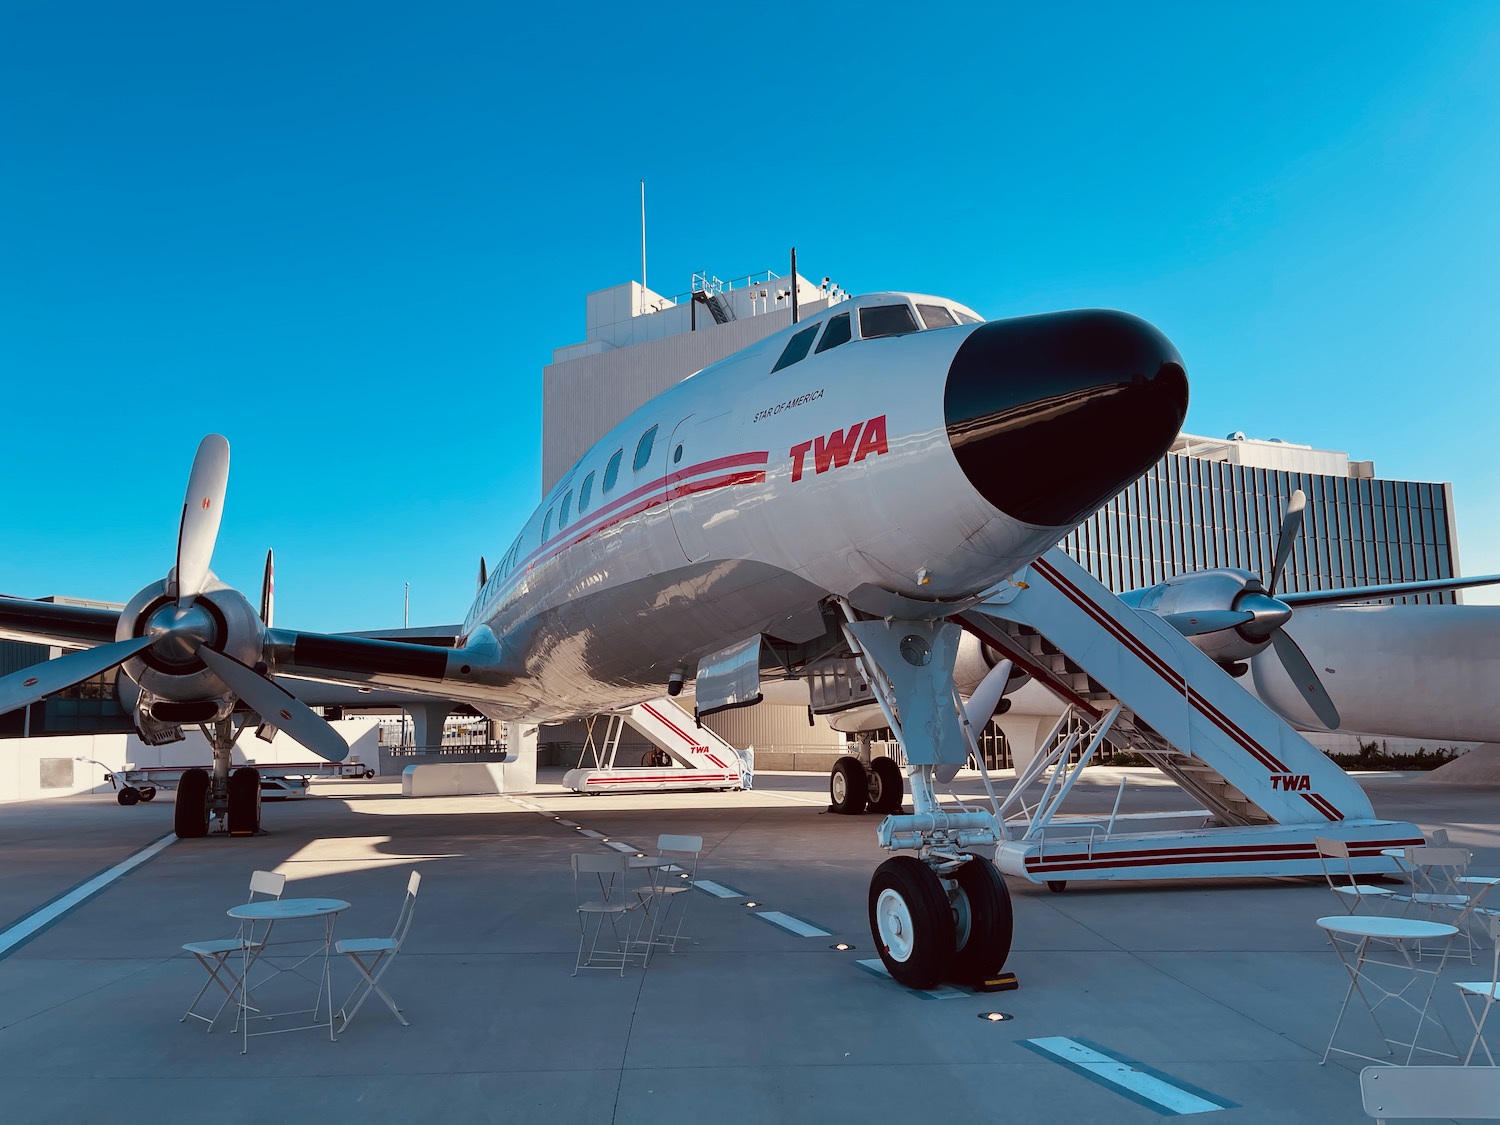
<point x="1437" y="870"/>
<point x="1438" y="838"/>
<point x="1341" y="881"/>
<point x="683" y="850"/>
<point x="604" y="867"/>
<point x="268" y="883"/>
<point x="1397" y="1092"/>
<point x="408" y="908"/>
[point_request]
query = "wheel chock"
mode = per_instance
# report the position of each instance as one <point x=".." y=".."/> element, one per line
<point x="1001" y="982"/>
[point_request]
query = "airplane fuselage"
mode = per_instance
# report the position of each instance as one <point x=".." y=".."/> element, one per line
<point x="759" y="493"/>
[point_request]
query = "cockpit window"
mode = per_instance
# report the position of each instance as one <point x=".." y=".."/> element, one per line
<point x="886" y="320"/>
<point x="836" y="333"/>
<point x="643" y="450"/>
<point x="936" y="316"/>
<point x="965" y="318"/>
<point x="796" y="348"/>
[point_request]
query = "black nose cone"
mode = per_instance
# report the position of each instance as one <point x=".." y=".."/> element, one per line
<point x="1050" y="416"/>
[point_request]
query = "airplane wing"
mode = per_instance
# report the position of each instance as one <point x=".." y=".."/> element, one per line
<point x="1392" y="590"/>
<point x="53" y="623"/>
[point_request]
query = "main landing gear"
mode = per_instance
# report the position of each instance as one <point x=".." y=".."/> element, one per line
<point x="861" y="784"/>
<point x="943" y="914"/>
<point x="231" y="797"/>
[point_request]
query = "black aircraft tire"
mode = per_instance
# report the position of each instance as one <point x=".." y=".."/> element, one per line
<point x="369" y="774"/>
<point x="984" y="902"/>
<point x="244" y="801"/>
<point x="129" y="795"/>
<point x="190" y="815"/>
<point x="887" y="789"/>
<point x="147" y="792"/>
<point x="911" y="922"/>
<point x="848" y="788"/>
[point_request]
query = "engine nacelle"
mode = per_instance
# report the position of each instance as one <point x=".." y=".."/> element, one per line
<point x="973" y="663"/>
<point x="175" y="685"/>
<point x="1217" y="591"/>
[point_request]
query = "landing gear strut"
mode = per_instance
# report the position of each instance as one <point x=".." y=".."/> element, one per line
<point x="943" y="914"/>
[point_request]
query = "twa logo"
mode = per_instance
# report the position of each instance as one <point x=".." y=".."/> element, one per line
<point x="861" y="440"/>
<point x="1291" y="782"/>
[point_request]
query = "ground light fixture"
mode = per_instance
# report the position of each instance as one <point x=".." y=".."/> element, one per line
<point x="752" y="904"/>
<point x="996" y="1017"/>
<point x="841" y="946"/>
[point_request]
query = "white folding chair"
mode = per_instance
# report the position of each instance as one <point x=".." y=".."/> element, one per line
<point x="1482" y="995"/>
<point x="1396" y="1093"/>
<point x="598" y="900"/>
<point x="1437" y="889"/>
<point x="1338" y="871"/>
<point x="371" y="957"/>
<point x="671" y="883"/>
<point x="214" y="955"/>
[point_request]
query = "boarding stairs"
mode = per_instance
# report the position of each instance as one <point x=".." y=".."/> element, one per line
<point x="1226" y="803"/>
<point x="1137" y="681"/>
<point x="687" y="756"/>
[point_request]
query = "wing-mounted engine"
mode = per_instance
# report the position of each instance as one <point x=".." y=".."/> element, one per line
<point x="175" y="684"/>
<point x="1227" y="614"/>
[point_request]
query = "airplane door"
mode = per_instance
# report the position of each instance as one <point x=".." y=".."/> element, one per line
<point x="688" y="456"/>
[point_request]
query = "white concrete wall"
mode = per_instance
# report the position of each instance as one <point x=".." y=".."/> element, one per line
<point x="22" y="759"/>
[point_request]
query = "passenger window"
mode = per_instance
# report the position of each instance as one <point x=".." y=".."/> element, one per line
<point x="643" y="450"/>
<point x="585" y="494"/>
<point x="612" y="470"/>
<point x="547" y="526"/>
<point x="562" y="513"/>
<point x="886" y="320"/>
<point x="796" y="348"/>
<point x="936" y="316"/>
<point x="836" y="333"/>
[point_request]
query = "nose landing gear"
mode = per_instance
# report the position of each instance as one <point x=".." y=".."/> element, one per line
<point x="944" y="913"/>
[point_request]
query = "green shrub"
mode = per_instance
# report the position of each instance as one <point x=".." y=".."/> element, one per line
<point x="1377" y="756"/>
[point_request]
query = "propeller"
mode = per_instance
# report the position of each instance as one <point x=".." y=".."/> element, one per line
<point x="1302" y="674"/>
<point x="202" y="508"/>
<point x="23" y="688"/>
<point x="1286" y="537"/>
<point x="268" y="590"/>
<point x="277" y="706"/>
<point x="986" y="697"/>
<point x="181" y="654"/>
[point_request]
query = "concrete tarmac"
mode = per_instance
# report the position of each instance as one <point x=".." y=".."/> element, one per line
<point x="1226" y="988"/>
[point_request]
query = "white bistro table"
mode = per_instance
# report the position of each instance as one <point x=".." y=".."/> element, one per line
<point x="1391" y="973"/>
<point x="271" y="911"/>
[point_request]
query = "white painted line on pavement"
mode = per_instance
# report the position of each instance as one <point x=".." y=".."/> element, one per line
<point x="1139" y="1083"/>
<point x="38" y="920"/>
<point x="792" y="924"/>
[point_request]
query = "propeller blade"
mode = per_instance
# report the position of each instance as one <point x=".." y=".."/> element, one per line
<point x="268" y="590"/>
<point x="484" y="572"/>
<point x="981" y="706"/>
<point x="1286" y="539"/>
<point x="202" y="508"/>
<point x="277" y="706"/>
<point x="1207" y="621"/>
<point x="20" y="689"/>
<point x="1306" y="680"/>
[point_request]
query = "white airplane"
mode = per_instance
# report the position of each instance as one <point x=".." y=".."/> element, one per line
<point x="853" y="480"/>
<point x="1415" y="671"/>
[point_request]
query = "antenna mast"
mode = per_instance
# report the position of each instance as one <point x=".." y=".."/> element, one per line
<point x="643" y="234"/>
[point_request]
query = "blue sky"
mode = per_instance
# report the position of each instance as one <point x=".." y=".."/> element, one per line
<point x="348" y="236"/>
